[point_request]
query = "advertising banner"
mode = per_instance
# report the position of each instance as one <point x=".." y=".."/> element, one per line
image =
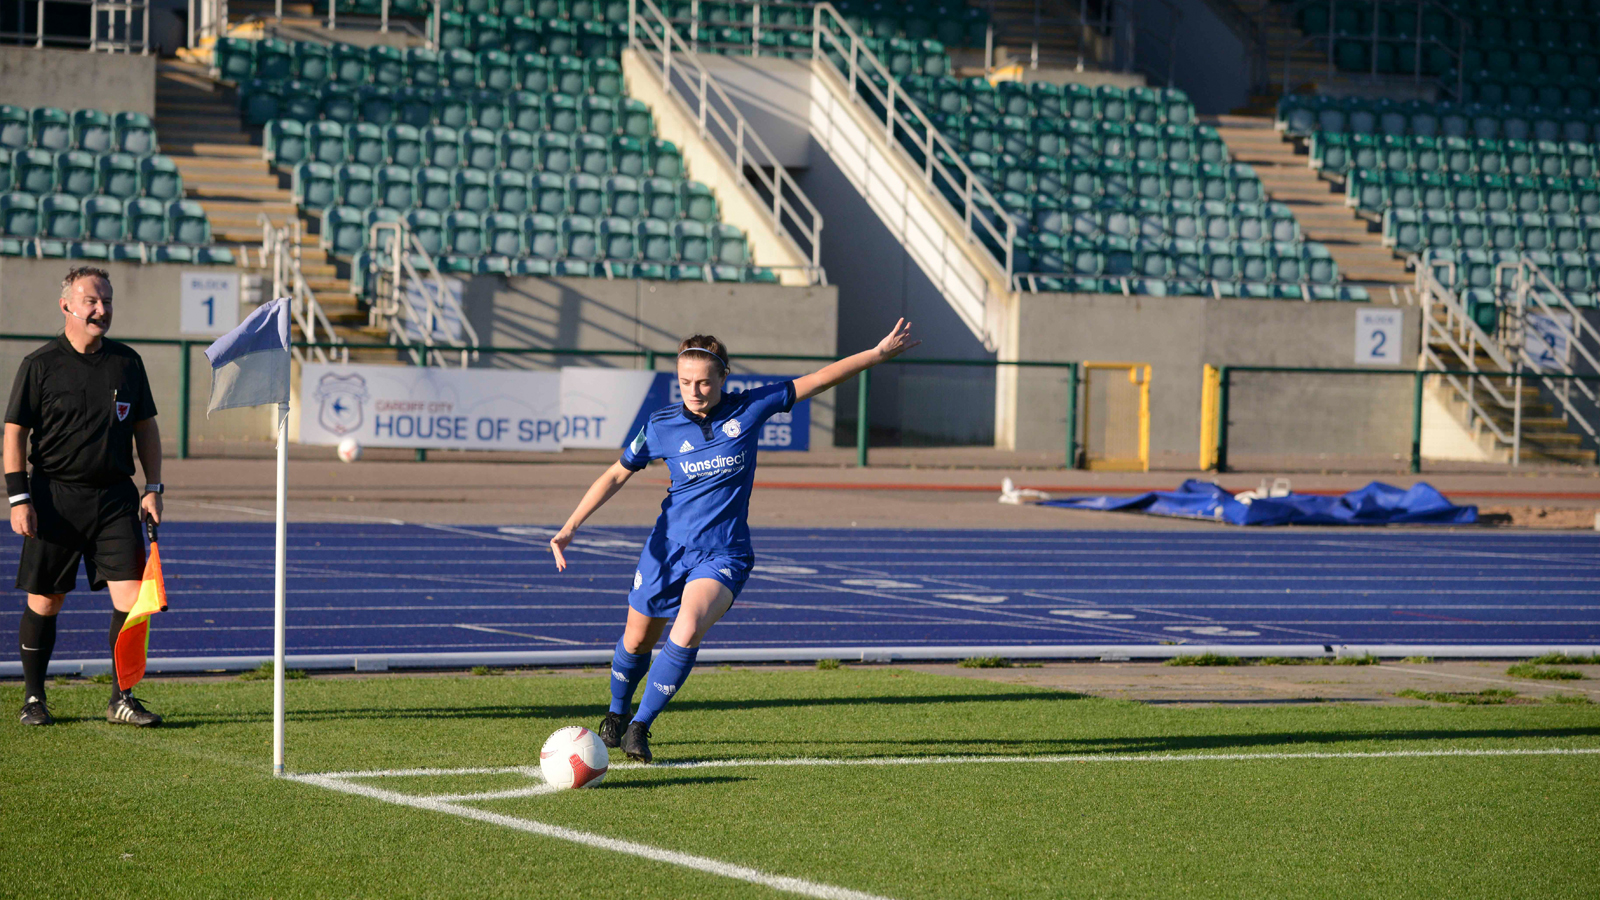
<point x="503" y="409"/>
<point x="430" y="407"/>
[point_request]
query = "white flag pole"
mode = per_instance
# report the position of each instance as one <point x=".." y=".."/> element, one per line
<point x="278" y="589"/>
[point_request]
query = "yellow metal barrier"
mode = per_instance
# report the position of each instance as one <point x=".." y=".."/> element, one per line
<point x="1210" y="395"/>
<point x="1113" y="439"/>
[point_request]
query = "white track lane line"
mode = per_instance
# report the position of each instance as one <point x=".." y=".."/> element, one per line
<point x="656" y="854"/>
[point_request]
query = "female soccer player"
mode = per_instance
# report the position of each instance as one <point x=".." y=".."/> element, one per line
<point x="698" y="557"/>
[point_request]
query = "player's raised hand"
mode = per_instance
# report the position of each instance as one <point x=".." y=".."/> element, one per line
<point x="898" y="341"/>
<point x="558" y="544"/>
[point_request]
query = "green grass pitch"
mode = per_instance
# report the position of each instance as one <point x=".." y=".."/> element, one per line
<point x="191" y="809"/>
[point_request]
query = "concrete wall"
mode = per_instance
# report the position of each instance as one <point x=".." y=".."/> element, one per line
<point x="774" y="96"/>
<point x="597" y="314"/>
<point x="75" y="79"/>
<point x="1209" y="63"/>
<point x="739" y="204"/>
<point x="145" y="306"/>
<point x="1288" y="415"/>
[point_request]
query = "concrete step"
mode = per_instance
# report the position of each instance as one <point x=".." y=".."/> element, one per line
<point x="190" y="137"/>
<point x="267" y="192"/>
<point x="208" y="148"/>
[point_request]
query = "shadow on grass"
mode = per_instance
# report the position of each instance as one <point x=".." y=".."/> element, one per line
<point x="647" y="784"/>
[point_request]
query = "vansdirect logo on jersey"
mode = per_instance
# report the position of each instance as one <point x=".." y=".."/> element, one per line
<point x="716" y="465"/>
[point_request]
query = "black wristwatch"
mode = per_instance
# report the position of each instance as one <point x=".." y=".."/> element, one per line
<point x="156" y="488"/>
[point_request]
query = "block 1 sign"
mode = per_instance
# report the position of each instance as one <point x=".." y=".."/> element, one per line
<point x="1378" y="336"/>
<point x="209" y="302"/>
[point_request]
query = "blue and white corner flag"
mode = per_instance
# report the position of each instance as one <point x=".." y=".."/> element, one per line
<point x="250" y="364"/>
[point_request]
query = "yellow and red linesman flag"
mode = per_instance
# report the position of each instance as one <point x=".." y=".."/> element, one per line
<point x="133" y="641"/>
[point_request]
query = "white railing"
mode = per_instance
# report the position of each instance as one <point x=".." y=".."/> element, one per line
<point x="652" y="35"/>
<point x="835" y="42"/>
<point x="414" y="303"/>
<point x="115" y="26"/>
<point x="280" y="252"/>
<point x="1532" y="293"/>
<point x="1330" y="40"/>
<point x="209" y="19"/>
<point x="1445" y="321"/>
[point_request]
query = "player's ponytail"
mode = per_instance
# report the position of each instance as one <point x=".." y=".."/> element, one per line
<point x="701" y="344"/>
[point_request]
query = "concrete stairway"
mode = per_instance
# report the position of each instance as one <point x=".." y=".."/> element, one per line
<point x="1547" y="437"/>
<point x="222" y="169"/>
<point x="1319" y="206"/>
<point x="1015" y="31"/>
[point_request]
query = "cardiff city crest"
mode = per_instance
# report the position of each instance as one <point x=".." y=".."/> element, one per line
<point x="342" y="398"/>
<point x="731" y="428"/>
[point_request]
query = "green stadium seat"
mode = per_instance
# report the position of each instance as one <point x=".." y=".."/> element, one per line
<point x="555" y="152"/>
<point x="403" y="145"/>
<point x="76" y="173"/>
<point x="413" y="106"/>
<point x="525" y="111"/>
<point x="487" y="109"/>
<point x="540" y="236"/>
<point x="387" y="65"/>
<point x="134" y="133"/>
<point x="561" y="113"/>
<point x="503" y="234"/>
<point x="60" y="217"/>
<point x="187" y="223"/>
<point x="585" y="197"/>
<point x="394" y="187"/>
<point x="479" y="148"/>
<point x="471" y="190"/>
<point x="623" y="197"/>
<point x="159" y="178"/>
<point x="92" y="131"/>
<point x="617" y="240"/>
<point x="497" y="71"/>
<point x="14" y="128"/>
<point x="284" y="142"/>
<point x="463" y="234"/>
<point x="33" y="171"/>
<point x="234" y="59"/>
<point x="104" y="219"/>
<point x="598" y="115"/>
<point x="422" y="67"/>
<point x="592" y="153"/>
<point x="274" y="60"/>
<point x="654" y="240"/>
<point x="452" y="108"/>
<point x="355" y="186"/>
<point x="119" y="175"/>
<point x="376" y="104"/>
<point x="485" y="32"/>
<point x="448" y="31"/>
<point x="532" y="72"/>
<point x="50" y="129"/>
<point x="309" y="61"/>
<point x="344" y="231"/>
<point x="93" y="250"/>
<point x="365" y="144"/>
<point x="314" y="186"/>
<point x="605" y="77"/>
<point x="697" y="202"/>
<point x="690" y="241"/>
<point x="427" y="226"/>
<point x="510" y="191"/>
<point x="579" y="238"/>
<point x="730" y="246"/>
<point x="168" y="253"/>
<point x="548" y="193"/>
<point x="441" y="147"/>
<point x="666" y="160"/>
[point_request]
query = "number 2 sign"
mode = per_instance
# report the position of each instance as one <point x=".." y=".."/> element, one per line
<point x="208" y="303"/>
<point x="1378" y="336"/>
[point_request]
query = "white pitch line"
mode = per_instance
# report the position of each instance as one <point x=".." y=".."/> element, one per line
<point x="656" y="854"/>
<point x="508" y="794"/>
<point x="1559" y="686"/>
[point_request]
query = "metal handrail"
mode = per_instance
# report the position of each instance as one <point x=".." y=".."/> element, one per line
<point x="931" y="141"/>
<point x="395" y="304"/>
<point x="1528" y="278"/>
<point x="1432" y="291"/>
<point x="119" y="15"/>
<point x="724" y="129"/>
<point x="280" y="251"/>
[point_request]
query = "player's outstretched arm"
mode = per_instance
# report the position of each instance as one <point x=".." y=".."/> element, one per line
<point x="836" y="373"/>
<point x="603" y="489"/>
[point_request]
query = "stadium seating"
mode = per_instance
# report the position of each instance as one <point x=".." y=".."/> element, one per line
<point x="1451" y="184"/>
<point x="1111" y="189"/>
<point x="85" y="182"/>
<point x="491" y="157"/>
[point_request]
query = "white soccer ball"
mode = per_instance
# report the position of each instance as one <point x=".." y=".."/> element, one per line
<point x="573" y="757"/>
<point x="349" y="450"/>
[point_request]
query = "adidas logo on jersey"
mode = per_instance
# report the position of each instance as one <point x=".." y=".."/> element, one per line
<point x="686" y="448"/>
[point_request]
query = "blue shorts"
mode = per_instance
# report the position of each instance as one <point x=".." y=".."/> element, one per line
<point x="665" y="567"/>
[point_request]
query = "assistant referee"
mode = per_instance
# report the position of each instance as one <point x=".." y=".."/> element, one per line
<point x="85" y="402"/>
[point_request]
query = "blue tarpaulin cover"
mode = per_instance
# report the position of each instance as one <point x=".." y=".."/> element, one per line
<point x="1375" y="504"/>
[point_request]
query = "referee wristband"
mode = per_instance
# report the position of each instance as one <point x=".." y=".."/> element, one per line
<point x="16" y="483"/>
<point x="19" y="499"/>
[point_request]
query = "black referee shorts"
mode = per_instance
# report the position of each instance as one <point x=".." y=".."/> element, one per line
<point x="98" y="525"/>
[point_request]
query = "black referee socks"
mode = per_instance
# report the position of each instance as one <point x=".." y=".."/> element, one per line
<point x="36" y="640"/>
<point x="118" y="618"/>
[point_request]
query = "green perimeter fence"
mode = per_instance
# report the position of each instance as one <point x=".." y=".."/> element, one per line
<point x="1418" y="376"/>
<point x="419" y="352"/>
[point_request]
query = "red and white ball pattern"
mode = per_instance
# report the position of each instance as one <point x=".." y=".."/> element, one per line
<point x="573" y="757"/>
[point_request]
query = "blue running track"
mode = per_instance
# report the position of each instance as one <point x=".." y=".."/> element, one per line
<point x="451" y="595"/>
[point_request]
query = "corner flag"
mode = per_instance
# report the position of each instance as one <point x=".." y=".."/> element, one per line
<point x="250" y="364"/>
<point x="250" y="367"/>
<point x="133" y="641"/>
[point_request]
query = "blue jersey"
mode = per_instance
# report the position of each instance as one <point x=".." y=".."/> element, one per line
<point x="712" y="461"/>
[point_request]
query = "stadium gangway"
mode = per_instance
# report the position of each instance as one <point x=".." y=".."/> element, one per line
<point x="1506" y="349"/>
<point x="412" y="304"/>
<point x="112" y="26"/>
<point x="1111" y="34"/>
<point x="1217" y="389"/>
<point x="795" y="218"/>
<point x="280" y="253"/>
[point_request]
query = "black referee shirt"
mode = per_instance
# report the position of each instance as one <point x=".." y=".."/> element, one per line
<point x="81" y="408"/>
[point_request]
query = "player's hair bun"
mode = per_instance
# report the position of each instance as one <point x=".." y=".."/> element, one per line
<point x="709" y="344"/>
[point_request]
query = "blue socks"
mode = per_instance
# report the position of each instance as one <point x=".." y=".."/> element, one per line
<point x="670" y="671"/>
<point x="626" y="670"/>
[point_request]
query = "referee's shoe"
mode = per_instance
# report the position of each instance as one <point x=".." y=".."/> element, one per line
<point x="125" y="709"/>
<point x="34" y="712"/>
